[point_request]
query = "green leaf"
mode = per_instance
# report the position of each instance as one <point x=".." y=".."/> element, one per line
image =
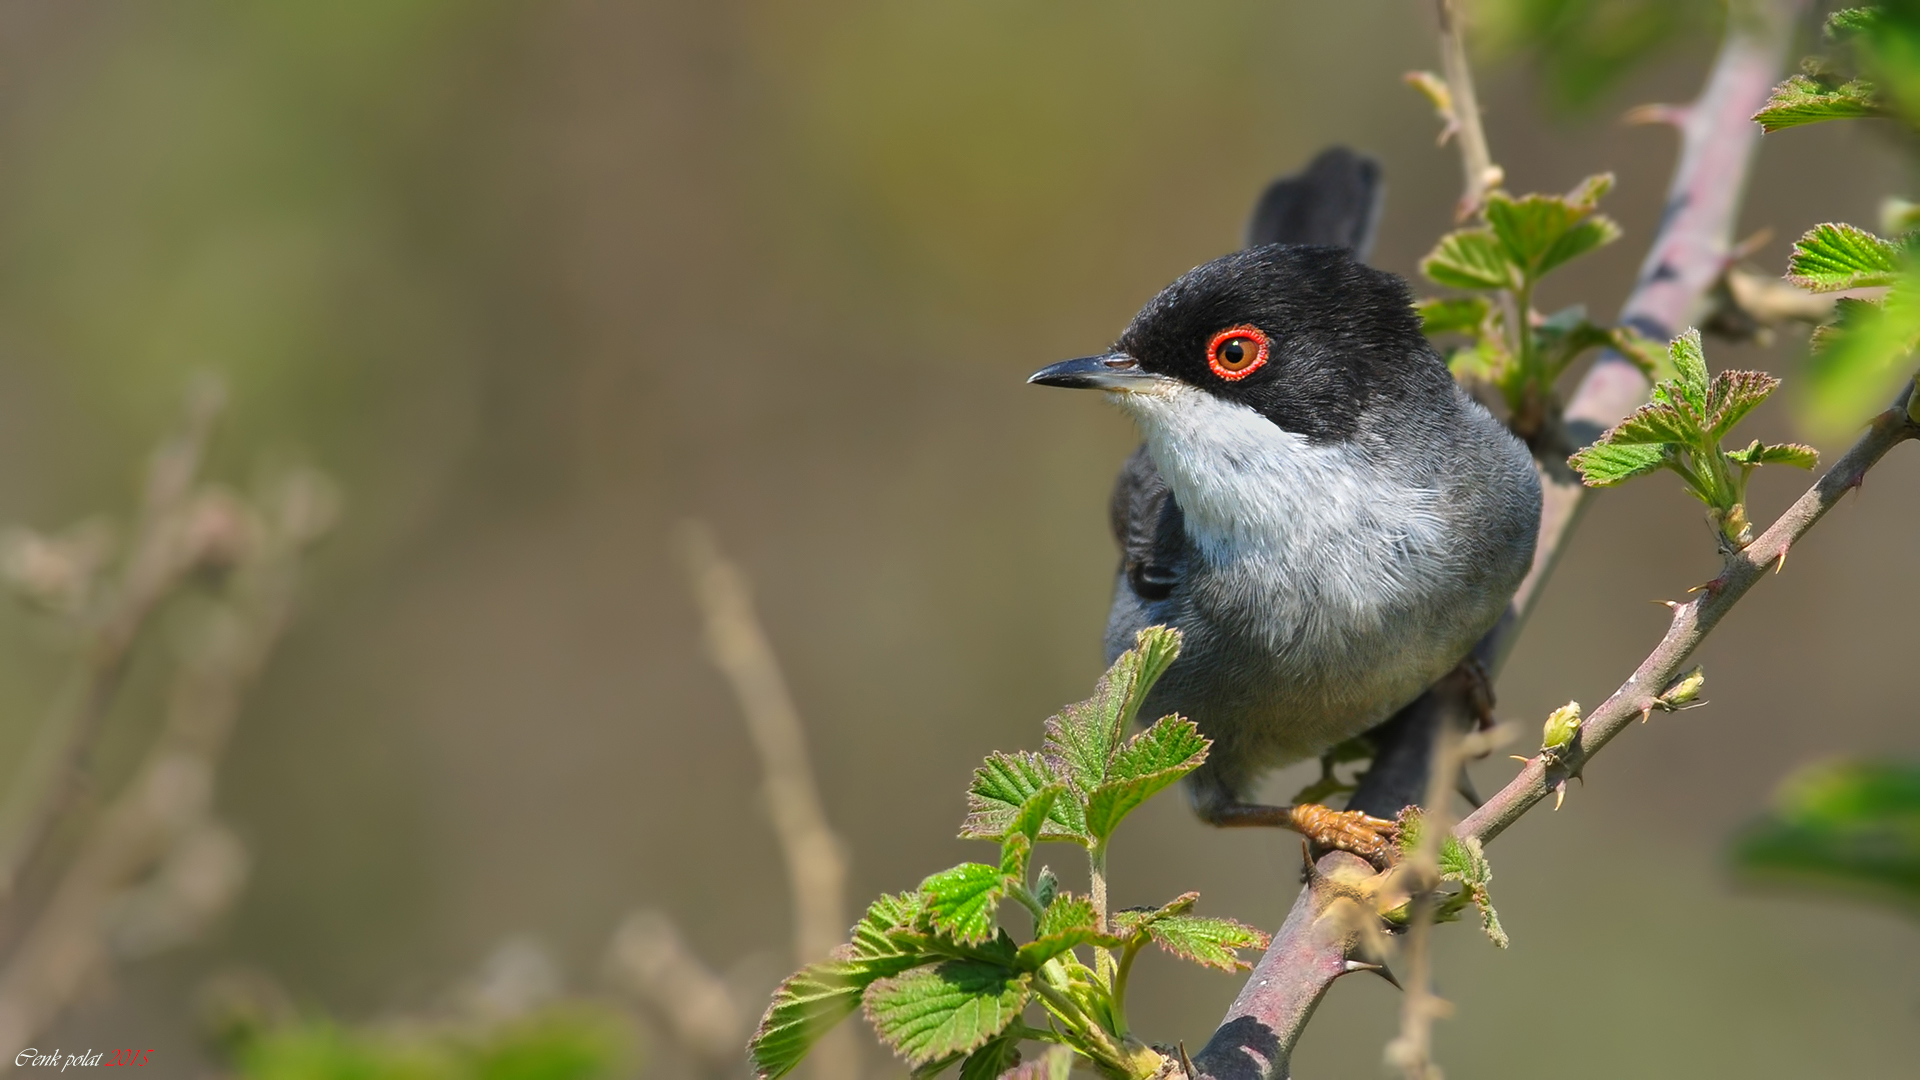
<point x="1858" y="361"/>
<point x="1850" y="826"/>
<point x="1054" y="1063"/>
<point x="1458" y="315"/>
<point x="1083" y="738"/>
<point x="1470" y="259"/>
<point x="1804" y="100"/>
<point x="1605" y="464"/>
<point x="1067" y="922"/>
<point x="819" y="996"/>
<point x="1690" y="369"/>
<point x="988" y="1063"/>
<point x="1151" y="760"/>
<point x="1128" y="923"/>
<point x="1540" y="232"/>
<point x="1015" y="850"/>
<point x="1562" y="338"/>
<point x="961" y="902"/>
<point x="1849" y="21"/>
<point x="1837" y="256"/>
<point x="1759" y="453"/>
<point x="872" y="938"/>
<point x="1210" y="942"/>
<point x="1654" y="424"/>
<point x="1032" y="818"/>
<point x="949" y="1008"/>
<point x="1004" y="786"/>
<point x="1732" y="396"/>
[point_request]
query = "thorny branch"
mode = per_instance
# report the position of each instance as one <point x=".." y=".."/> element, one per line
<point x="1320" y="941"/>
<point x="1692" y="621"/>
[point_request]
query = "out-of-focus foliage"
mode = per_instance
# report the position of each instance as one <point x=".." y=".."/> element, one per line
<point x="561" y="1043"/>
<point x="1871" y="68"/>
<point x="1851" y="826"/>
<point x="1581" y="48"/>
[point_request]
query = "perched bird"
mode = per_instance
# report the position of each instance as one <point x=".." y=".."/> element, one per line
<point x="1326" y="516"/>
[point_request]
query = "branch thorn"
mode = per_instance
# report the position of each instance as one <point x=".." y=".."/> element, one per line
<point x="1782" y="563"/>
<point x="1675" y="115"/>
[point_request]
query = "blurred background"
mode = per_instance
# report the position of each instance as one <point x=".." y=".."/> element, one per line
<point x="535" y="283"/>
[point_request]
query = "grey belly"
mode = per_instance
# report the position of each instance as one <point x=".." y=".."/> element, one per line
<point x="1269" y="698"/>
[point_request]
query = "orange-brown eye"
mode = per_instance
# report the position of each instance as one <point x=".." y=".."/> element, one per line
<point x="1235" y="352"/>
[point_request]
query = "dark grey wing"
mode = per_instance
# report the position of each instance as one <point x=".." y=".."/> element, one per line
<point x="1148" y="524"/>
<point x="1335" y="200"/>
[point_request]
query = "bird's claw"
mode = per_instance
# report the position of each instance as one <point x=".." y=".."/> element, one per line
<point x="1369" y="837"/>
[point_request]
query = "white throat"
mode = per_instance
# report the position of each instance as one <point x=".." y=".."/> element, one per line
<point x="1321" y="523"/>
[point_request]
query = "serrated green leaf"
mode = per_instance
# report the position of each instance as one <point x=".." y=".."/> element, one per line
<point x="1540" y="232"/>
<point x="1083" y="738"/>
<point x="1130" y="922"/>
<point x="1654" y="424"/>
<point x="1605" y="464"/>
<point x="949" y="1008"/>
<point x="1004" y="785"/>
<point x="1851" y="826"/>
<point x="1464" y="860"/>
<point x="872" y="938"/>
<point x="1015" y="850"/>
<point x="1837" y="256"/>
<point x="1803" y="100"/>
<point x="1032" y="817"/>
<point x="992" y="1060"/>
<point x="1732" y="396"/>
<point x="1453" y="315"/>
<point x="1849" y="21"/>
<point x="961" y="902"/>
<point x="1066" y="923"/>
<point x="1211" y="942"/>
<point x="1151" y="760"/>
<point x="1470" y="259"/>
<point x="1758" y="453"/>
<point x="813" y="1000"/>
<point x="1690" y="369"/>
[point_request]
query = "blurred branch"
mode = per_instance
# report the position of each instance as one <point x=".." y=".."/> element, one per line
<point x="161" y="828"/>
<point x="1685" y="261"/>
<point x="816" y="864"/>
<point x="1419" y="874"/>
<point x="1476" y="157"/>
<point x="51" y="776"/>
<point x="650" y="958"/>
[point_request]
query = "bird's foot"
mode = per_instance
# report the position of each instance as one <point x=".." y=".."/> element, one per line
<point x="1369" y="837"/>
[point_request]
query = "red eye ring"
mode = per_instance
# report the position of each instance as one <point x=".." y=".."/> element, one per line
<point x="1230" y="369"/>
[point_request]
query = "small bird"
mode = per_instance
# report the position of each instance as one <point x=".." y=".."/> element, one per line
<point x="1327" y="517"/>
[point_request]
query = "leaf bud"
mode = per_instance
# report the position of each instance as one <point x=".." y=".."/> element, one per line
<point x="1560" y="728"/>
<point x="1683" y="691"/>
<point x="1046" y="887"/>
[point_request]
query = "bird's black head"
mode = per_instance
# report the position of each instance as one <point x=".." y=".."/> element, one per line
<point x="1302" y="334"/>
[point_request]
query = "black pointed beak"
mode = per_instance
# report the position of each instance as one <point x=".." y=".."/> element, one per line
<point x="1109" y="371"/>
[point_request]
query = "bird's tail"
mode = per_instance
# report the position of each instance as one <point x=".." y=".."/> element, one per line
<point x="1335" y="200"/>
